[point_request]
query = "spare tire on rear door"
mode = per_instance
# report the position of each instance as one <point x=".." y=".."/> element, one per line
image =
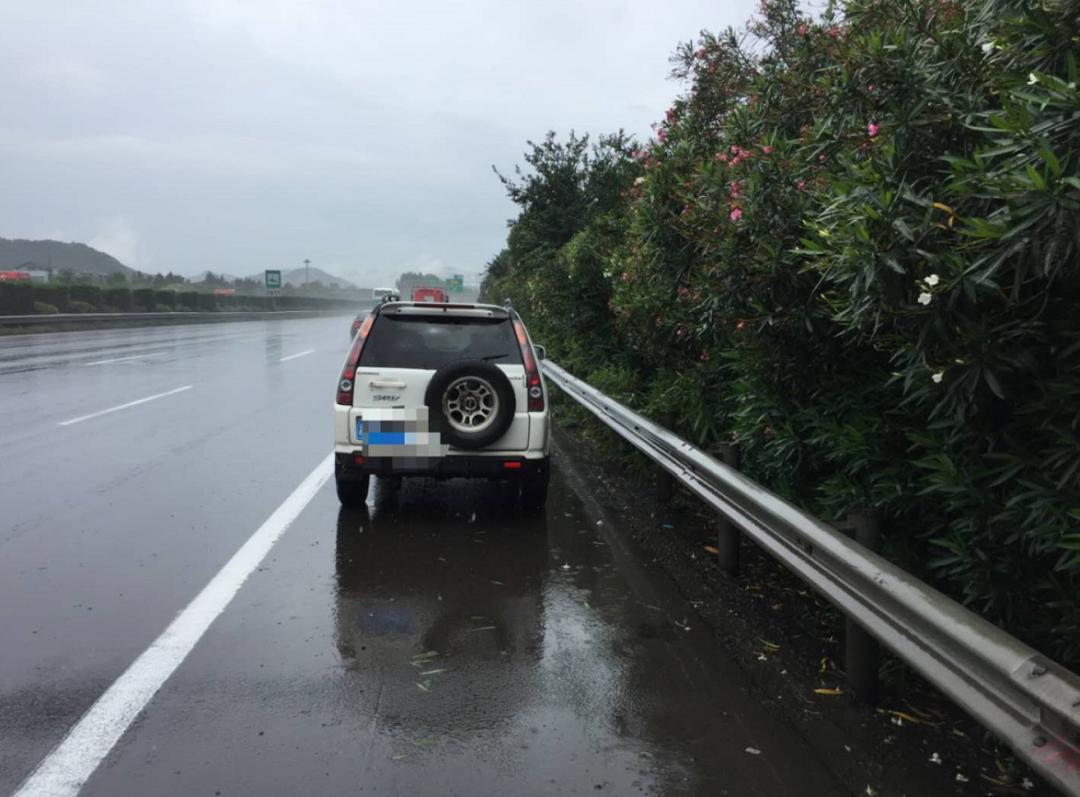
<point x="473" y="401"/>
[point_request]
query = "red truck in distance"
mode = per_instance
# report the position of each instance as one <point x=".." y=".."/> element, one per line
<point x="432" y="295"/>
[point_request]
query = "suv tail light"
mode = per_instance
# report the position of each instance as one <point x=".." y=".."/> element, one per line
<point x="532" y="373"/>
<point x="348" y="372"/>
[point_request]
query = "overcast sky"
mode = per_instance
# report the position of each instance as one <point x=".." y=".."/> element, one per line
<point x="238" y="135"/>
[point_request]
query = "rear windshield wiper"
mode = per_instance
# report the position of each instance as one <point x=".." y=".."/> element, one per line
<point x="493" y="357"/>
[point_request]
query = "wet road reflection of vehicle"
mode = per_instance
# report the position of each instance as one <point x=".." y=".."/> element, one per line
<point x="446" y="611"/>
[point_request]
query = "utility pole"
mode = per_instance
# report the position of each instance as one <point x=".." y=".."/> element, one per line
<point x="307" y="271"/>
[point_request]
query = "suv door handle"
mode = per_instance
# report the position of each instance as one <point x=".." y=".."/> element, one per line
<point x="387" y="383"/>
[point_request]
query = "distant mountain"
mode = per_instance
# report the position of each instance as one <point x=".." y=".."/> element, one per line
<point x="80" y="258"/>
<point x="297" y="277"/>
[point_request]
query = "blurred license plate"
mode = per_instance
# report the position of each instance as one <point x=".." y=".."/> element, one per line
<point x="386" y="438"/>
<point x="399" y="436"/>
<point x="383" y="433"/>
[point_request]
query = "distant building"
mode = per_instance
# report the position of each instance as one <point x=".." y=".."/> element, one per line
<point x="14" y="276"/>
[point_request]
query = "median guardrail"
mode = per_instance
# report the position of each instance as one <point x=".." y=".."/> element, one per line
<point x="253" y="315"/>
<point x="1027" y="700"/>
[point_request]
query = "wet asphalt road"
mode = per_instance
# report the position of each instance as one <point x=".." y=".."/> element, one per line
<point x="437" y="643"/>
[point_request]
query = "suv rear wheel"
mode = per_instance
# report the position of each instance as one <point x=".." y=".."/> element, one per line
<point x="534" y="492"/>
<point x="351" y="490"/>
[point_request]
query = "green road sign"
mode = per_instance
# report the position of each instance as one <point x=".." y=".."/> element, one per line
<point x="273" y="280"/>
<point x="456" y="283"/>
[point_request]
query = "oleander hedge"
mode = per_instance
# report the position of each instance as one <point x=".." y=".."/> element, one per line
<point x="852" y="246"/>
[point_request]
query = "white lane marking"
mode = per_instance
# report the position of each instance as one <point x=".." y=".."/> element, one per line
<point x="294" y="356"/>
<point x="124" y="359"/>
<point x="64" y="771"/>
<point x="117" y="408"/>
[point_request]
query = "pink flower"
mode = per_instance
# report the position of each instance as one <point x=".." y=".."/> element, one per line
<point x="766" y="149"/>
<point x="803" y="30"/>
<point x="722" y="157"/>
<point x="802" y="185"/>
<point x="871" y="88"/>
<point x="871" y="130"/>
<point x="661" y="136"/>
<point x="626" y="276"/>
<point x="679" y="331"/>
<point x="700" y="53"/>
<point x="741" y="326"/>
<point x="734" y="188"/>
<point x="736" y="214"/>
<point x="705" y="356"/>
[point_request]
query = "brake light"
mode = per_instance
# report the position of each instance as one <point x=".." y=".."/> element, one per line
<point x="512" y="465"/>
<point x="348" y="372"/>
<point x="532" y="373"/>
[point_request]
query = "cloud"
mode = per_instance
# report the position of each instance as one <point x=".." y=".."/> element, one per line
<point x="249" y="134"/>
<point x="220" y="155"/>
<point x="115" y="236"/>
<point x="64" y="73"/>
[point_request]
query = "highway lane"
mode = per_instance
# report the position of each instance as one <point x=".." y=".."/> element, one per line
<point x="437" y="643"/>
<point x="110" y="526"/>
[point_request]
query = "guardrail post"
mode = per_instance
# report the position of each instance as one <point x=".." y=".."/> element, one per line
<point x="861" y="650"/>
<point x="728" y="536"/>
<point x="664" y="482"/>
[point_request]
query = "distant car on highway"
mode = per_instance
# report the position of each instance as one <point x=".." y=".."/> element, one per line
<point x="385" y="295"/>
<point x="429" y="295"/>
<point x="441" y="390"/>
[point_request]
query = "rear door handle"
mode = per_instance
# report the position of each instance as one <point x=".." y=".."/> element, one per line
<point x="387" y="383"/>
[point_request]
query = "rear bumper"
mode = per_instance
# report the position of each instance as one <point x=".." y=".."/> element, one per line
<point x="460" y="466"/>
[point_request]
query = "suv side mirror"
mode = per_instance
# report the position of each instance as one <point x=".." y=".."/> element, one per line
<point x="541" y="352"/>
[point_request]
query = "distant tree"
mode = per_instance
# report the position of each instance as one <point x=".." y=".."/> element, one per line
<point x="413" y="279"/>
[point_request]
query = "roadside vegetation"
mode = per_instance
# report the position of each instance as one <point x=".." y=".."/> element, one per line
<point x="851" y="246"/>
<point x="27" y="299"/>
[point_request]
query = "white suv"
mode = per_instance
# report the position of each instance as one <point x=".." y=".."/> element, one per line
<point x="441" y="390"/>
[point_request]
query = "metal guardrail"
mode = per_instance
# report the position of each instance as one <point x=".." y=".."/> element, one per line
<point x="253" y="315"/>
<point x="1027" y="700"/>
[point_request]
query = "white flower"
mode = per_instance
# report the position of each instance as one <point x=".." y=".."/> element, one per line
<point x="987" y="48"/>
<point x="639" y="181"/>
<point x="1032" y="79"/>
<point x="936" y="379"/>
<point x="925" y="298"/>
<point x="935" y="759"/>
<point x="932" y="280"/>
<point x="960" y="778"/>
<point x="1027" y="785"/>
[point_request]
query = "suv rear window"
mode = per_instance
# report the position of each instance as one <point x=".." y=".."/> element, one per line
<point x="429" y="343"/>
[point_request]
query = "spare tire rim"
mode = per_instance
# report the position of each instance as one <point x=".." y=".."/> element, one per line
<point x="470" y="404"/>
